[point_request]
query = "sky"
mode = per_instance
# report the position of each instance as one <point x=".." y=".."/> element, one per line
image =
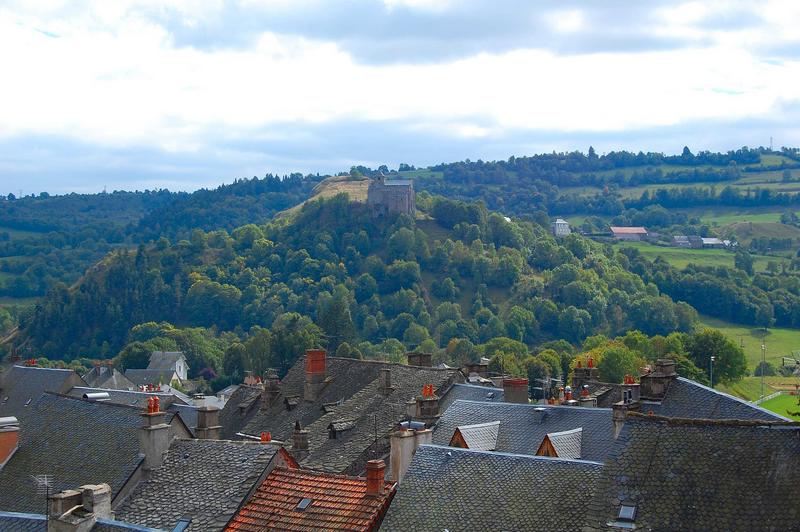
<point x="184" y="94"/>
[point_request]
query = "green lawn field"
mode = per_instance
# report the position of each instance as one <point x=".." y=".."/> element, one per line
<point x="18" y="233"/>
<point x="681" y="257"/>
<point x="779" y="341"/>
<point x="783" y="405"/>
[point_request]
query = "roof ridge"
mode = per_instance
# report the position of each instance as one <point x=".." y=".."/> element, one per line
<point x="88" y="401"/>
<point x="712" y="422"/>
<point x="532" y="405"/>
<point x="733" y="397"/>
<point x="512" y="455"/>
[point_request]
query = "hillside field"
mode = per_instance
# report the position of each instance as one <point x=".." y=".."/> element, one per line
<point x="783" y="405"/>
<point x="681" y="257"/>
<point x="780" y="341"/>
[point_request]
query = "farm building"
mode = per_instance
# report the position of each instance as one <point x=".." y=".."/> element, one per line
<point x="628" y="233"/>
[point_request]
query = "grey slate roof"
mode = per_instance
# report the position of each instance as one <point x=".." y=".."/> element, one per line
<point x="712" y="476"/>
<point x="567" y="443"/>
<point x="458" y="489"/>
<point x="164" y="359"/>
<point x="24" y="522"/>
<point x="141" y="377"/>
<point x="686" y="398"/>
<point x="22" y="385"/>
<point x="240" y="408"/>
<point x="107" y="377"/>
<point x="204" y="479"/>
<point x="78" y="442"/>
<point x="481" y="437"/>
<point x="374" y="414"/>
<point x="471" y="392"/>
<point x="130" y="398"/>
<point x="523" y="427"/>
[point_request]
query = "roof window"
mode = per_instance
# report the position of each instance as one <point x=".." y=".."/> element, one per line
<point x="627" y="512"/>
<point x="303" y="504"/>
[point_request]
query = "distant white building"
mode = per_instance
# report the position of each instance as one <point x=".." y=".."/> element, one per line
<point x="560" y="227"/>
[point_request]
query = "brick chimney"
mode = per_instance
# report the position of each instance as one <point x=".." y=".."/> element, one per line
<point x="515" y="390"/>
<point x="299" y="442"/>
<point x="155" y="435"/>
<point x="271" y="391"/>
<point x="9" y="438"/>
<point x="78" y="510"/>
<point x="376" y="470"/>
<point x="424" y="360"/>
<point x="654" y="384"/>
<point x="404" y="441"/>
<point x="208" y="427"/>
<point x="316" y="372"/>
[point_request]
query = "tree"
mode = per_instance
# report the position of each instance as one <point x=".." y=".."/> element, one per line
<point x="730" y="363"/>
<point x="233" y="362"/>
<point x="335" y="319"/>
<point x="616" y="361"/>
<point x="346" y="351"/>
<point x="744" y="261"/>
<point x="135" y="355"/>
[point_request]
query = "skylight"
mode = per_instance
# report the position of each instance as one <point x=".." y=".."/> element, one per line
<point x="627" y="512"/>
<point x="302" y="505"/>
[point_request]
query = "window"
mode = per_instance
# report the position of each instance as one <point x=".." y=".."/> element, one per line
<point x="303" y="504"/>
<point x="627" y="512"/>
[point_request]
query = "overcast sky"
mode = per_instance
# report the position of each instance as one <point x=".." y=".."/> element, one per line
<point x="182" y="94"/>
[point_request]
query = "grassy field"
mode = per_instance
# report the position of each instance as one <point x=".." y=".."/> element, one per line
<point x="779" y="341"/>
<point x="726" y="217"/>
<point x="18" y="233"/>
<point x="681" y="257"/>
<point x="783" y="404"/>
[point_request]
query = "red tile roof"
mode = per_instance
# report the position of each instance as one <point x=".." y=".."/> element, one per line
<point x="338" y="502"/>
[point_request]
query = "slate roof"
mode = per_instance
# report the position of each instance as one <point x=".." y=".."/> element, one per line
<point x="713" y="476"/>
<point x="567" y="444"/>
<point x="374" y="415"/>
<point x="240" y="408"/>
<point x="24" y="522"/>
<point x="458" y="489"/>
<point x="21" y="385"/>
<point x="686" y="398"/>
<point x="471" y="392"/>
<point x="523" y="427"/>
<point x="78" y="442"/>
<point x="481" y="437"/>
<point x="130" y="398"/>
<point x="204" y="479"/>
<point x="164" y="359"/>
<point x="141" y="377"/>
<point x="107" y="377"/>
<point x="338" y="502"/>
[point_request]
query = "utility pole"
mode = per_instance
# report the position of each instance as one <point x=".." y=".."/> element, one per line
<point x="763" y="365"/>
<point x="711" y="368"/>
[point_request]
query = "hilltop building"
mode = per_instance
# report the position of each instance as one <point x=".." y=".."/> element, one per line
<point x="392" y="195"/>
<point x="560" y="228"/>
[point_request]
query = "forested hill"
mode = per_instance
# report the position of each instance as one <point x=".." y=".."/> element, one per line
<point x="457" y="272"/>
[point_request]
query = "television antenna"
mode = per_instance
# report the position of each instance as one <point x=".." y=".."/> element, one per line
<point x="43" y="484"/>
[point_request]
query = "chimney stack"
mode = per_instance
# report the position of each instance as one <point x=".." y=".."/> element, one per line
<point x="299" y="442"/>
<point x="586" y="399"/>
<point x="208" y="427"/>
<point x="515" y="390"/>
<point x="9" y="438"/>
<point x="654" y="384"/>
<point x="316" y="373"/>
<point x="424" y="360"/>
<point x="628" y="404"/>
<point x="271" y="391"/>
<point x="375" y="472"/>
<point x="404" y="441"/>
<point x="78" y="510"/>
<point x="155" y="436"/>
<point x="427" y="406"/>
<point x="582" y="375"/>
<point x="386" y="380"/>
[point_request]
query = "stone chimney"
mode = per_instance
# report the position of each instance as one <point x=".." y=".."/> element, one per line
<point x="582" y="375"/>
<point x="628" y="404"/>
<point x="155" y="436"/>
<point x="425" y="407"/>
<point x="654" y="384"/>
<point x="404" y="441"/>
<point x="424" y="360"/>
<point x="585" y="399"/>
<point x="299" y="442"/>
<point x="386" y="380"/>
<point x="208" y="427"/>
<point x="316" y="372"/>
<point x="376" y="470"/>
<point x="515" y="390"/>
<point x="479" y="368"/>
<point x="271" y="391"/>
<point x="78" y="510"/>
<point x="9" y="438"/>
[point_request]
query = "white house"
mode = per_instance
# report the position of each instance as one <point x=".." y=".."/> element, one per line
<point x="560" y="227"/>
